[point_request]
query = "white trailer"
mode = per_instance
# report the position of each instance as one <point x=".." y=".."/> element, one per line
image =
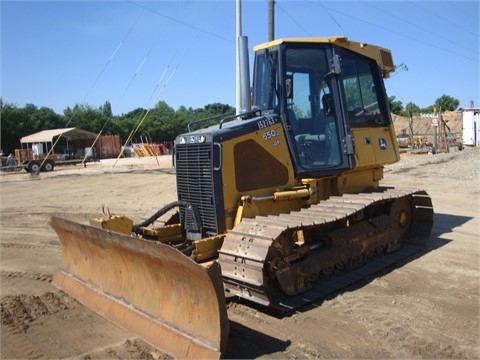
<point x="471" y="127"/>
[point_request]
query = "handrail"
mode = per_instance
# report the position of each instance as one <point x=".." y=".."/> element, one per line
<point x="226" y="117"/>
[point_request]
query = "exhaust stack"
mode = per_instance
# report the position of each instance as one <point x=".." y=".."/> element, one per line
<point x="244" y="77"/>
<point x="242" y="66"/>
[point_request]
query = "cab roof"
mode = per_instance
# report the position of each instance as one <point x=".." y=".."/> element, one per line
<point x="382" y="56"/>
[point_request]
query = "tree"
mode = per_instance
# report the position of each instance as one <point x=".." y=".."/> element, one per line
<point x="106" y="109"/>
<point x="85" y="117"/>
<point x="19" y="122"/>
<point x="12" y="127"/>
<point x="413" y="109"/>
<point x="218" y="109"/>
<point x="447" y="103"/>
<point x="429" y="109"/>
<point x="161" y="124"/>
<point x="396" y="107"/>
<point x="163" y="109"/>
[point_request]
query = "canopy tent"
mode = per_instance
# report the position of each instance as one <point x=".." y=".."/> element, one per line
<point x="67" y="133"/>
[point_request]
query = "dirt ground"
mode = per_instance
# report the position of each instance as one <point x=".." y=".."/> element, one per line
<point x="425" y="307"/>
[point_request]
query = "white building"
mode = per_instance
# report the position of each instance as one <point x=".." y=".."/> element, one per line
<point x="471" y="127"/>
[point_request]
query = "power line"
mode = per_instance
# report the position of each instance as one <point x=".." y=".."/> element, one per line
<point x="74" y="111"/>
<point x="108" y="61"/>
<point x="444" y="19"/>
<point x="418" y="26"/>
<point x="416" y="39"/>
<point x="154" y="98"/>
<point x="147" y="55"/>
<point x="291" y="18"/>
<point x="328" y="13"/>
<point x="157" y="91"/>
<point x="196" y="28"/>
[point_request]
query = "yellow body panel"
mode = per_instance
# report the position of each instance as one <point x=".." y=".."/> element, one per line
<point x="120" y="224"/>
<point x="375" y="146"/>
<point x="355" y="181"/>
<point x="271" y="145"/>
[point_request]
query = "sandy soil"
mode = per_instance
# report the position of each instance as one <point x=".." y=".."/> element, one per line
<point x="425" y="307"/>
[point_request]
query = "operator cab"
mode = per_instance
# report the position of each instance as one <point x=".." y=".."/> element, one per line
<point x="320" y="90"/>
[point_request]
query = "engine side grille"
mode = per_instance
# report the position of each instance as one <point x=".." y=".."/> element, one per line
<point x="194" y="168"/>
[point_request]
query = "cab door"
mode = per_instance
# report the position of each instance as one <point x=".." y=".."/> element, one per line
<point x="313" y="111"/>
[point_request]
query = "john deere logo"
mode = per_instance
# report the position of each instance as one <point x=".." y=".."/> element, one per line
<point x="382" y="143"/>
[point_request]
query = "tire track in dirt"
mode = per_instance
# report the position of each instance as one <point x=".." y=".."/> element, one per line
<point x="402" y="336"/>
<point x="27" y="324"/>
<point x="19" y="272"/>
<point x="22" y="347"/>
<point x="29" y="246"/>
<point x="19" y="311"/>
<point x="26" y="275"/>
<point x="130" y="349"/>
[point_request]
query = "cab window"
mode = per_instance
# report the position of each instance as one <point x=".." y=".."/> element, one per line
<point x="265" y="92"/>
<point x="361" y="95"/>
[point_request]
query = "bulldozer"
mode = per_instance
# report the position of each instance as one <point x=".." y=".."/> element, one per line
<point x="273" y="202"/>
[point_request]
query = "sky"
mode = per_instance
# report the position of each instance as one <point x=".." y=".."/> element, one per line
<point x="134" y="54"/>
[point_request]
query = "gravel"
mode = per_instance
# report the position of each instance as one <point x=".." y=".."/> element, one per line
<point x="459" y="165"/>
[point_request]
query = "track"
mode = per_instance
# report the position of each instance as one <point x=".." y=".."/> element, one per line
<point x="246" y="255"/>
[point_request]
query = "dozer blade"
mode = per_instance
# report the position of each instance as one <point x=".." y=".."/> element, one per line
<point x="145" y="287"/>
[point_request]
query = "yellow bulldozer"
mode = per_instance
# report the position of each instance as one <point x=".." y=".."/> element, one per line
<point x="273" y="202"/>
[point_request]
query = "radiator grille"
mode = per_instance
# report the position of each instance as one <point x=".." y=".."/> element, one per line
<point x="195" y="183"/>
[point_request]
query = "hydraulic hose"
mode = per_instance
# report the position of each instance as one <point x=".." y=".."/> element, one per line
<point x="160" y="212"/>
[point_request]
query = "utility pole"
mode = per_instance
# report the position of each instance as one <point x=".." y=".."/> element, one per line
<point x="435" y="129"/>
<point x="238" y="103"/>
<point x="271" y="20"/>
<point x="410" y="124"/>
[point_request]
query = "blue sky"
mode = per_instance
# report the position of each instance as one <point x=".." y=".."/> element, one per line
<point x="135" y="53"/>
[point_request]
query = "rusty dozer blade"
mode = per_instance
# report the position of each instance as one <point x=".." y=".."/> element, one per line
<point x="145" y="287"/>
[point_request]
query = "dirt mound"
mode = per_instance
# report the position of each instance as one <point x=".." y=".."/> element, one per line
<point x="422" y="124"/>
